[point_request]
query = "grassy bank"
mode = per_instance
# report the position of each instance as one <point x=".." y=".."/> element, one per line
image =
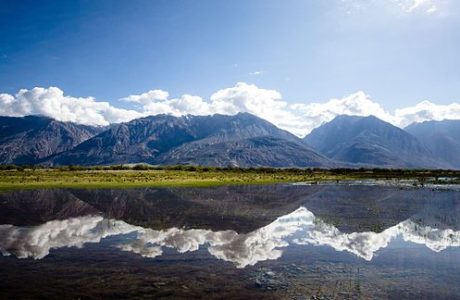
<point x="141" y="176"/>
<point x="50" y="178"/>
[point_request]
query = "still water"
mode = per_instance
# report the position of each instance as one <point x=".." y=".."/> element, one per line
<point x="239" y="242"/>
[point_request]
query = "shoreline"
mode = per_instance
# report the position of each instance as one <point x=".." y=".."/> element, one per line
<point x="200" y="177"/>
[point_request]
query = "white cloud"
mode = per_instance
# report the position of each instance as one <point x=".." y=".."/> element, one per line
<point x="358" y="104"/>
<point x="267" y="104"/>
<point x="243" y="97"/>
<point x="157" y="102"/>
<point x="145" y="98"/>
<point x="426" y="111"/>
<point x="298" y="118"/>
<point x="53" y="103"/>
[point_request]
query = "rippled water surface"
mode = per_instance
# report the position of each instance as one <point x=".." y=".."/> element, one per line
<point x="279" y="241"/>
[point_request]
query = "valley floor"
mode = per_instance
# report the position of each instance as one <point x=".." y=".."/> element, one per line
<point x="196" y="176"/>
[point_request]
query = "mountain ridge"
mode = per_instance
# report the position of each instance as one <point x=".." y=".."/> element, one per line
<point x="441" y="137"/>
<point x="217" y="140"/>
<point x="30" y="139"/>
<point x="369" y="140"/>
<point x="241" y="140"/>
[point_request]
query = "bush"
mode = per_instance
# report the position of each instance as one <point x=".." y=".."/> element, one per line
<point x="8" y="167"/>
<point x="141" y="167"/>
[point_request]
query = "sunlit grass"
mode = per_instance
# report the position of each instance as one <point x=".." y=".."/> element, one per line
<point x="199" y="177"/>
<point x="52" y="178"/>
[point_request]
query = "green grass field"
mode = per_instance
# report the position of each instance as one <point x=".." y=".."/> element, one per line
<point x="138" y="178"/>
<point x="168" y="177"/>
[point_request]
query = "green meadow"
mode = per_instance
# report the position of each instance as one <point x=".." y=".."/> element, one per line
<point x="12" y="177"/>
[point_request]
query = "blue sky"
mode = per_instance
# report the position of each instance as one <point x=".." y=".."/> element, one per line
<point x="398" y="51"/>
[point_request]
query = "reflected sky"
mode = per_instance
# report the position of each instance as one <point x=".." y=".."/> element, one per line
<point x="300" y="227"/>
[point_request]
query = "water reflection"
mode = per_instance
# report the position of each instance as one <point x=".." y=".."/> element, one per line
<point x="246" y="242"/>
<point x="300" y="227"/>
<point x="36" y="241"/>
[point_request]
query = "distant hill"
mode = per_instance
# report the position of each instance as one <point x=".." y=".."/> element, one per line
<point x="241" y="140"/>
<point x="441" y="137"/>
<point x="370" y="141"/>
<point x="27" y="140"/>
<point x="257" y="151"/>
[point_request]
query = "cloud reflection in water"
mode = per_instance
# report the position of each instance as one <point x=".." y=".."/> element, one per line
<point x="300" y="227"/>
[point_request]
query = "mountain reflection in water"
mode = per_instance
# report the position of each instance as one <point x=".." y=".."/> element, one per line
<point x="274" y="241"/>
<point x="265" y="243"/>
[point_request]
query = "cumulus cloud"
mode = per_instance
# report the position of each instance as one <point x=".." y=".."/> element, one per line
<point x="426" y="111"/>
<point x="298" y="118"/>
<point x="157" y="102"/>
<point x="53" y="103"/>
<point x="243" y="97"/>
<point x="359" y="104"/>
<point x="148" y="97"/>
<point x="268" y="104"/>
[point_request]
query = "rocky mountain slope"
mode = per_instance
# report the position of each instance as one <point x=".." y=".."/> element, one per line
<point x="218" y="140"/>
<point x="241" y="140"/>
<point x="370" y="141"/>
<point x="441" y="137"/>
<point x="28" y="140"/>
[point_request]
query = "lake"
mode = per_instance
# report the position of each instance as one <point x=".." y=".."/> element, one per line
<point x="285" y="241"/>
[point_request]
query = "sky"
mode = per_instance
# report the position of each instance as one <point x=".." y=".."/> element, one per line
<point x="296" y="63"/>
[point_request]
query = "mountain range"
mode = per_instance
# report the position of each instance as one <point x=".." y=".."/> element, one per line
<point x="370" y="141"/>
<point x="241" y="140"/>
<point x="31" y="139"/>
<point x="188" y="219"/>
<point x="442" y="138"/>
